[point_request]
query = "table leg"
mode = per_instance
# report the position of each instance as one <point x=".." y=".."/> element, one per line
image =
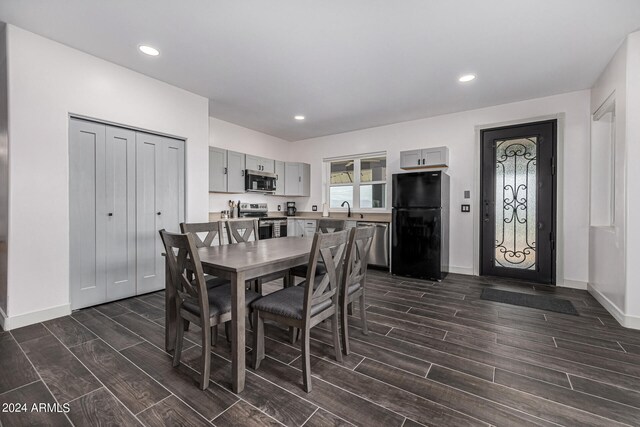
<point x="238" y="314"/>
<point x="170" y="315"/>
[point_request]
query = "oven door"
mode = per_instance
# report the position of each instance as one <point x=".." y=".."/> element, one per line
<point x="265" y="230"/>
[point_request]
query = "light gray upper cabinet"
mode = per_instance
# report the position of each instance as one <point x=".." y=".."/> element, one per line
<point x="160" y="203"/>
<point x="423" y="158"/>
<point x="217" y="170"/>
<point x="124" y="186"/>
<point x="297" y="179"/>
<point x="235" y="172"/>
<point x="280" y="174"/>
<point x="226" y="171"/>
<point x="260" y="164"/>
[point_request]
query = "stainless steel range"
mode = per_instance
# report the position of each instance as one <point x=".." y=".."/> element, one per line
<point x="269" y="226"/>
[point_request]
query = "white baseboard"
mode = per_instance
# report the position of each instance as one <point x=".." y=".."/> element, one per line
<point x="573" y="284"/>
<point x="625" y="320"/>
<point x="27" y="319"/>
<point x="461" y="270"/>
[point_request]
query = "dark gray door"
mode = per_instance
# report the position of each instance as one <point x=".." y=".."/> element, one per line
<point x="519" y="202"/>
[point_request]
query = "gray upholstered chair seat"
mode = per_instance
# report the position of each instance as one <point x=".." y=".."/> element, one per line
<point x="288" y="302"/>
<point x="301" y="270"/>
<point x="219" y="300"/>
<point x="353" y="288"/>
<point x="213" y="281"/>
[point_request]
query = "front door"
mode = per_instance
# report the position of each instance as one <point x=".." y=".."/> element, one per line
<point x="518" y="188"/>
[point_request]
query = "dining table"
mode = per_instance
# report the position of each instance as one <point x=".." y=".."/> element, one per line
<point x="240" y="262"/>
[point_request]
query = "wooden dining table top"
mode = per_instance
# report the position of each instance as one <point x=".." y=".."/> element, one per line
<point x="251" y="255"/>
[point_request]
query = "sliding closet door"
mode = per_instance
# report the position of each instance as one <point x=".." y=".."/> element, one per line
<point x="160" y="203"/>
<point x="87" y="214"/>
<point x="120" y="161"/>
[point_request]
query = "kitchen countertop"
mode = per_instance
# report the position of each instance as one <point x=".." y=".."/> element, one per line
<point x="367" y="217"/>
<point x="375" y="217"/>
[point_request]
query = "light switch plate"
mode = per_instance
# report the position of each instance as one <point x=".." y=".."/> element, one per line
<point x="465" y="208"/>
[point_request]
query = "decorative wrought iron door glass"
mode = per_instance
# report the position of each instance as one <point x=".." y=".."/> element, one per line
<point x="515" y="218"/>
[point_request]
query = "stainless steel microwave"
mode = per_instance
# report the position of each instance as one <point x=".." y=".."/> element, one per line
<point x="260" y="181"/>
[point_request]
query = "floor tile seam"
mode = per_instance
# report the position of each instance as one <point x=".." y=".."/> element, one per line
<point x="369" y="400"/>
<point x="40" y="376"/>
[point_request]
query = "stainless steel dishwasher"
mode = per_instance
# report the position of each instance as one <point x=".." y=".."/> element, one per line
<point x="379" y="255"/>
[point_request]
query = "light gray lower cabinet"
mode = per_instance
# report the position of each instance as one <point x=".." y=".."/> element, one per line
<point x="280" y="174"/>
<point x="124" y="186"/>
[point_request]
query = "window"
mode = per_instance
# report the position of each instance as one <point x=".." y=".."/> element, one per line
<point x="361" y="181"/>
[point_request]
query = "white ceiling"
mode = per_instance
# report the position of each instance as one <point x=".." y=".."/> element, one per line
<point x="344" y="64"/>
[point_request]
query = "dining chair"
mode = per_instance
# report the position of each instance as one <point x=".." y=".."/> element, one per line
<point x="324" y="225"/>
<point x="240" y="231"/>
<point x="354" y="278"/>
<point x="213" y="235"/>
<point x="308" y="304"/>
<point x="202" y="306"/>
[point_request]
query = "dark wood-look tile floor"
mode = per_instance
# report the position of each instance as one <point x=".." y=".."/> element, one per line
<point x="436" y="355"/>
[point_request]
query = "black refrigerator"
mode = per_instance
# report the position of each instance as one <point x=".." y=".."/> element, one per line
<point x="420" y="216"/>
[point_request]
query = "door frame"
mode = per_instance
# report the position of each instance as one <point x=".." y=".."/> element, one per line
<point x="558" y="278"/>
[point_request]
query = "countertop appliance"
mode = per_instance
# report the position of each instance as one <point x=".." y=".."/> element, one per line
<point x="379" y="252"/>
<point x="420" y="225"/>
<point x="291" y="208"/>
<point x="260" y="181"/>
<point x="268" y="227"/>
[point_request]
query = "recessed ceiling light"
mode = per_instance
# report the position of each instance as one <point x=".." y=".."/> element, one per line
<point x="298" y="117"/>
<point x="151" y="51"/>
<point x="467" y="78"/>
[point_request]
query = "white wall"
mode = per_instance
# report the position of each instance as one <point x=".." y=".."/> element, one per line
<point x="607" y="243"/>
<point x="4" y="170"/>
<point x="632" y="305"/>
<point x="47" y="82"/>
<point x="237" y="138"/>
<point x="458" y="132"/>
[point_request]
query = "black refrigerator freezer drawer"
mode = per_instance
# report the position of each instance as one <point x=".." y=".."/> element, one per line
<point x="417" y="243"/>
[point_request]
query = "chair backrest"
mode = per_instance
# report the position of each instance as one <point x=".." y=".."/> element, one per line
<point x="330" y="225"/>
<point x="213" y="232"/>
<point x="330" y="248"/>
<point x="357" y="257"/>
<point x="239" y="231"/>
<point x="182" y="257"/>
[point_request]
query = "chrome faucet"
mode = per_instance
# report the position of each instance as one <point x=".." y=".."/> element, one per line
<point x="348" y="208"/>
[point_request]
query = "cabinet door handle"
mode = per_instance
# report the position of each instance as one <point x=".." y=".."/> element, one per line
<point x="225" y="171"/>
<point x="110" y="214"/>
<point x="242" y="172"/>
<point x="159" y="213"/>
<point x="418" y="162"/>
<point x="423" y="161"/>
<point x="299" y="179"/>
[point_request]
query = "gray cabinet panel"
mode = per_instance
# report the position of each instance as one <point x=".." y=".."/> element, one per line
<point x="120" y="217"/>
<point x="280" y="174"/>
<point x="268" y="165"/>
<point x="305" y="179"/>
<point x="235" y="172"/>
<point x="253" y="162"/>
<point x="87" y="213"/>
<point x="410" y="159"/>
<point x="217" y="170"/>
<point x="292" y="179"/>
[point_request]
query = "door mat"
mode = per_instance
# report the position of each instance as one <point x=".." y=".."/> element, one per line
<point x="541" y="302"/>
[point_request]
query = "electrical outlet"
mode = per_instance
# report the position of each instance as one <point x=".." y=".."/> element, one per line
<point x="467" y="194"/>
<point x="465" y="208"/>
<point x="314" y="208"/>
